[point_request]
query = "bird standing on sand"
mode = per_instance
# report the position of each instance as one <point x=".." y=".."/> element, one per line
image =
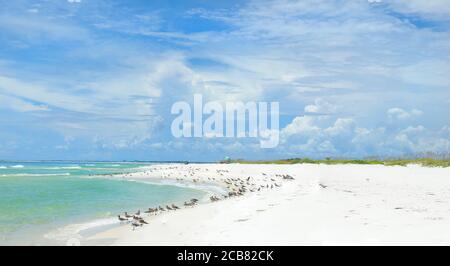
<point x="322" y="185"/>
<point x="150" y="210"/>
<point x="135" y="224"/>
<point x="122" y="219"/>
<point x="142" y="221"/>
<point x="127" y="215"/>
<point x="175" y="207"/>
<point x="189" y="204"/>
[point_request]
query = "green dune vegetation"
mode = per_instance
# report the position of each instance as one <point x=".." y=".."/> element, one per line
<point x="430" y="162"/>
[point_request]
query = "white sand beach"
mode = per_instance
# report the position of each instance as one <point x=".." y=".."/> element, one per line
<point x="323" y="205"/>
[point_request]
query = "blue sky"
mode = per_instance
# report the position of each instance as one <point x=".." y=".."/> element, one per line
<point x="87" y="79"/>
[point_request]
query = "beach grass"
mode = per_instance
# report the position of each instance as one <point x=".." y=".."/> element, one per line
<point x="429" y="162"/>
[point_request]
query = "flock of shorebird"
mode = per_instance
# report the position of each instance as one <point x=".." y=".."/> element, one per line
<point x="236" y="186"/>
<point x="136" y="219"/>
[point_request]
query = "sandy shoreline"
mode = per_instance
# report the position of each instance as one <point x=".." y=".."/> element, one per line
<point x="323" y="205"/>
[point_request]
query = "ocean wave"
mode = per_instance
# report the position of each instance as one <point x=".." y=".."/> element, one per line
<point x="74" y="230"/>
<point x="3" y="167"/>
<point x="27" y="174"/>
<point x="64" y="167"/>
<point x="17" y="166"/>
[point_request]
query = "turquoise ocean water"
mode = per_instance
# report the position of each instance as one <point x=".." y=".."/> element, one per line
<point x="50" y="202"/>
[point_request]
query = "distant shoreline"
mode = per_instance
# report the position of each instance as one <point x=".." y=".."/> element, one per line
<point x="423" y="161"/>
<point x="390" y="162"/>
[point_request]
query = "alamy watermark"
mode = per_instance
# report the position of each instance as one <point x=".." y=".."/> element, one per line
<point x="230" y="120"/>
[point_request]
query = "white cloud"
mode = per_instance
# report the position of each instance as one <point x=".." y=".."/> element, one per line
<point x="321" y="106"/>
<point x="310" y="136"/>
<point x="45" y="95"/>
<point x="37" y="29"/>
<point x="400" y="114"/>
<point x="432" y="9"/>
<point x="427" y="72"/>
<point x="341" y="126"/>
<point x="301" y="125"/>
<point x="21" y="105"/>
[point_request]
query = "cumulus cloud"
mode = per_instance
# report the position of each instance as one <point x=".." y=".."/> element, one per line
<point x="301" y="125"/>
<point x="320" y="106"/>
<point x="315" y="136"/>
<point x="345" y="139"/>
<point x="341" y="126"/>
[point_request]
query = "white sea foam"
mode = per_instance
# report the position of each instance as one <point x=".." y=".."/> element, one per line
<point x="73" y="231"/>
<point x="26" y="174"/>
<point x="206" y="187"/>
<point x="64" y="167"/>
<point x="17" y="166"/>
<point x="3" y="167"/>
<point x="71" y="167"/>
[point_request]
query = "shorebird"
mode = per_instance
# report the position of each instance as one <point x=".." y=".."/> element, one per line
<point x="288" y="177"/>
<point x="322" y="185"/>
<point x="188" y="204"/>
<point x="135" y="224"/>
<point x="122" y="219"/>
<point x="127" y="215"/>
<point x="138" y="212"/>
<point x="142" y="221"/>
<point x="214" y="198"/>
<point x="161" y="209"/>
<point x="150" y="210"/>
<point x="175" y="207"/>
<point x="168" y="207"/>
<point x="194" y="200"/>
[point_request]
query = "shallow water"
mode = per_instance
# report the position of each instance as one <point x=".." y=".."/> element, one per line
<point x="51" y="202"/>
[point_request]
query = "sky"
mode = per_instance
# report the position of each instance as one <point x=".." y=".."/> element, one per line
<point x="95" y="80"/>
